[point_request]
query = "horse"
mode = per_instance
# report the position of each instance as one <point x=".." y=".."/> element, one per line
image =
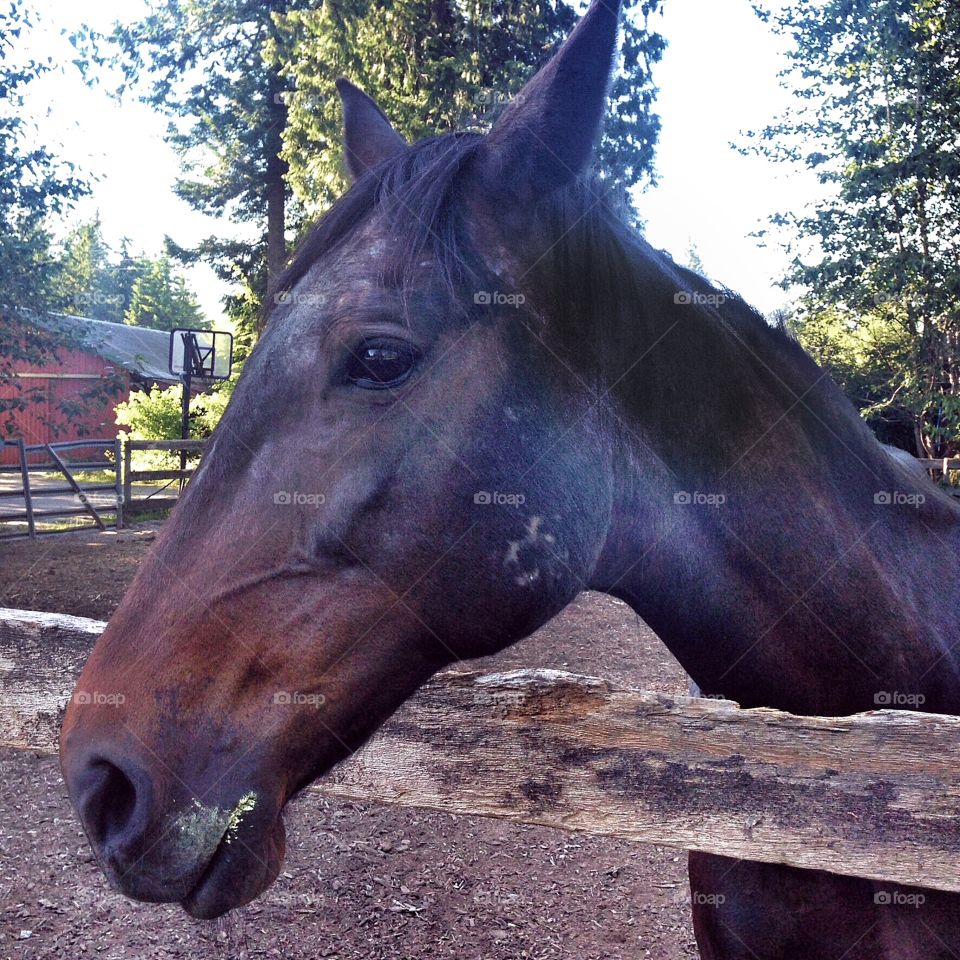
<point x="481" y="391"/>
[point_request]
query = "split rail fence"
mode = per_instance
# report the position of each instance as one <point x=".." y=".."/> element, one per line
<point x="874" y="795"/>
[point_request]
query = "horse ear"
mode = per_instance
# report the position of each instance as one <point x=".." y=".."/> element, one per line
<point x="368" y="138"/>
<point x="546" y="136"/>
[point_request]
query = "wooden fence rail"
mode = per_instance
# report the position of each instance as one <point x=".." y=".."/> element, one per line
<point x="940" y="470"/>
<point x="874" y="795"/>
<point x="940" y="464"/>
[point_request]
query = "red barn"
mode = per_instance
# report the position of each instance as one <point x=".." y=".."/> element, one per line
<point x="88" y="352"/>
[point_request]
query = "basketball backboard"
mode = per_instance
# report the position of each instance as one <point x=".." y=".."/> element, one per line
<point x="208" y="353"/>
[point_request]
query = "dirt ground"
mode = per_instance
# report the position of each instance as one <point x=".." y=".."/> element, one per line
<point x="361" y="882"/>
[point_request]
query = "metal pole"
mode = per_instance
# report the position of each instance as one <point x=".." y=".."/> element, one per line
<point x="185" y="419"/>
<point x="189" y="351"/>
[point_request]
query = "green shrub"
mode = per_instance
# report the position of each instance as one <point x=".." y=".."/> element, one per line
<point x="155" y="415"/>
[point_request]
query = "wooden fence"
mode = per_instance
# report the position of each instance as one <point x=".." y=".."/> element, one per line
<point x="43" y="501"/>
<point x="135" y="505"/>
<point x="874" y="795"/>
<point x="940" y="470"/>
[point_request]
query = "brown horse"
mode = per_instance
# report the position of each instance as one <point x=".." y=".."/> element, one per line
<point x="478" y="394"/>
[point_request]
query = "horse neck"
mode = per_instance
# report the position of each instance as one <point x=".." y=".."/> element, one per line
<point x="748" y="536"/>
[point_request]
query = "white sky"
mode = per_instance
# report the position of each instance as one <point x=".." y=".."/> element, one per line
<point x="718" y="77"/>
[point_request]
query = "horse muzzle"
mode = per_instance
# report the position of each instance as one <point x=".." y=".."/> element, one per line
<point x="211" y="847"/>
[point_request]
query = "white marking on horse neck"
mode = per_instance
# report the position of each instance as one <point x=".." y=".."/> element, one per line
<point x="527" y="578"/>
<point x="534" y="539"/>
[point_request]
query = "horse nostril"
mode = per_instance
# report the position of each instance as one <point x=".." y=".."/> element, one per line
<point x="108" y="805"/>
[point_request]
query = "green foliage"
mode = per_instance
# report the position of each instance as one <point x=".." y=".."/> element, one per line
<point x="161" y="299"/>
<point x="155" y="415"/>
<point x="203" y="64"/>
<point x="869" y="358"/>
<point x="151" y="415"/>
<point x="91" y="285"/>
<point x="34" y="185"/>
<point x="438" y="66"/>
<point x="248" y="85"/>
<point x="120" y="287"/>
<point x="878" y="119"/>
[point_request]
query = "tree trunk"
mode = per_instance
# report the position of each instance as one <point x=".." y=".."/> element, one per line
<point x="275" y="187"/>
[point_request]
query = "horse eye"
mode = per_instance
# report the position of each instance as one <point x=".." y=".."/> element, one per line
<point x="381" y="363"/>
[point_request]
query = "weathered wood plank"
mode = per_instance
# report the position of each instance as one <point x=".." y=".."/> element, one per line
<point x="41" y="655"/>
<point x="195" y="446"/>
<point x="875" y="795"/>
<point x="139" y="476"/>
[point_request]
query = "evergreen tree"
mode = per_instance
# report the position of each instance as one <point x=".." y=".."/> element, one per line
<point x="122" y="287"/>
<point x="436" y="65"/>
<point x="203" y="63"/>
<point x="161" y="299"/>
<point x="878" y="120"/>
<point x="249" y="87"/>
<point x="91" y="285"/>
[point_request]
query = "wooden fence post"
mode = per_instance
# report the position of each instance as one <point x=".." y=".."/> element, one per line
<point x="118" y="480"/>
<point x="127" y="484"/>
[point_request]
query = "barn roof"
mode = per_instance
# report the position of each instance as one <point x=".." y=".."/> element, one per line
<point x="141" y="351"/>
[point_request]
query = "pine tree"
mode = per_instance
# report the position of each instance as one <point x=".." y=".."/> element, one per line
<point x="878" y="120"/>
<point x="249" y="87"/>
<point x="436" y="66"/>
<point x="161" y="299"/>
